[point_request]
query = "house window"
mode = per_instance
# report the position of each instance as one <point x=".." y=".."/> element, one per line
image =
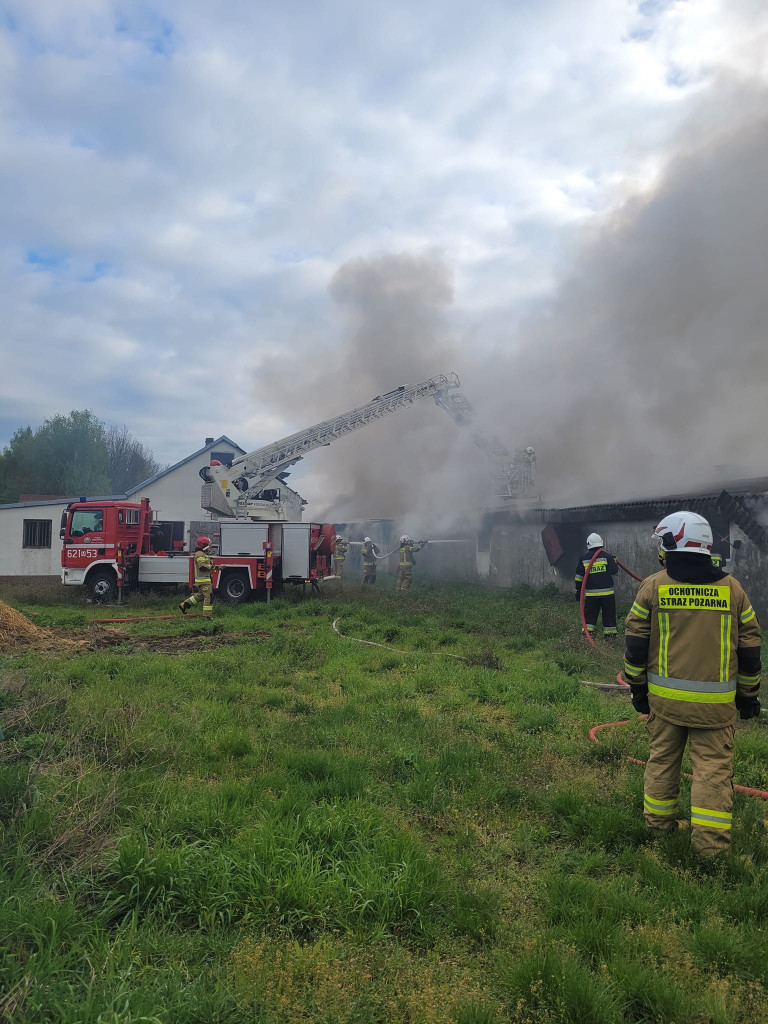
<point x="225" y="458"/>
<point x="37" y="533"/>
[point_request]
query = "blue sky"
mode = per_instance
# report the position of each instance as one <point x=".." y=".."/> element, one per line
<point x="180" y="181"/>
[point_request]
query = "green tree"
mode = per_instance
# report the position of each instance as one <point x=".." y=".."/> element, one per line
<point x="67" y="455"/>
<point x="130" y="461"/>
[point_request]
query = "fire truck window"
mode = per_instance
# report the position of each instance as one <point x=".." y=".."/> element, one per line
<point x="84" y="522"/>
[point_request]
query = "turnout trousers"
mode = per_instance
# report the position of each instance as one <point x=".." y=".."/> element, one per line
<point x="202" y="593"/>
<point x="404" y="577"/>
<point x="711" y="791"/>
<point x="338" y="566"/>
<point x="369" y="572"/>
<point x="592" y="608"/>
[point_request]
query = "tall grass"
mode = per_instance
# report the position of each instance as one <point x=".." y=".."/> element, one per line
<point x="292" y="826"/>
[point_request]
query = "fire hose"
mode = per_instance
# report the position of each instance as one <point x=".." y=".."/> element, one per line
<point x="760" y="793"/>
<point x="583" y="592"/>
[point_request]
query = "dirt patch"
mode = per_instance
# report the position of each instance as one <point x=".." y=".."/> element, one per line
<point x="172" y="644"/>
<point x="18" y="634"/>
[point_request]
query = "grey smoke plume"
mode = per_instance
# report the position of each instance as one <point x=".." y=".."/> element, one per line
<point x="650" y="368"/>
<point x="416" y="463"/>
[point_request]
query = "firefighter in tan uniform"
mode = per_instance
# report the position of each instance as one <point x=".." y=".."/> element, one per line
<point x="405" y="572"/>
<point x="692" y="660"/>
<point x="202" y="591"/>
<point x="368" y="555"/>
<point x="339" y="554"/>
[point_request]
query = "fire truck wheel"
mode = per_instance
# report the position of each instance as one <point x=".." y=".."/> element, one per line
<point x="101" y="586"/>
<point x="235" y="587"/>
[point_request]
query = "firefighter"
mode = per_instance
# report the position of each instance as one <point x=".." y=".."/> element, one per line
<point x="692" y="661"/>
<point x="719" y="560"/>
<point x="339" y="554"/>
<point x="368" y="554"/>
<point x="599" y="593"/>
<point x="407" y="549"/>
<point x="202" y="591"/>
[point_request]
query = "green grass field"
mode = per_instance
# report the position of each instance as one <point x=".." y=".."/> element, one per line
<point x="256" y="820"/>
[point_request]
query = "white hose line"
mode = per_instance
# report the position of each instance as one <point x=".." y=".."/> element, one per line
<point x="388" y="647"/>
<point x="387" y="554"/>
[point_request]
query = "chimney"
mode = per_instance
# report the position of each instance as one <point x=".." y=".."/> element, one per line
<point x="209" y="440"/>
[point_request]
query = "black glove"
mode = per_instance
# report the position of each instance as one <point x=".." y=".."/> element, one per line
<point x="640" y="700"/>
<point x="748" y="707"/>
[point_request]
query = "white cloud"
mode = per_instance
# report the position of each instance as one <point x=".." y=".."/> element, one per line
<point x="218" y="166"/>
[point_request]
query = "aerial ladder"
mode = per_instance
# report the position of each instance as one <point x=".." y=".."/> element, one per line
<point x="238" y="490"/>
<point x="512" y="474"/>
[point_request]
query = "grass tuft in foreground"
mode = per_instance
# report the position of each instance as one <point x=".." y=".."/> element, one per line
<point x="256" y="820"/>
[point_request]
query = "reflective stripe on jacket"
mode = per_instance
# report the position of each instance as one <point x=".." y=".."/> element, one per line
<point x="600" y="579"/>
<point x="203" y="567"/>
<point x="369" y="556"/>
<point x="695" y="645"/>
<point x="406" y="554"/>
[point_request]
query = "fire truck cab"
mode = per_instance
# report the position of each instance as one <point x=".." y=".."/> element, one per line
<point x="109" y="546"/>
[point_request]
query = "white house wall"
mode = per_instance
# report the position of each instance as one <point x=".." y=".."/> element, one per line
<point x="176" y="495"/>
<point x="16" y="560"/>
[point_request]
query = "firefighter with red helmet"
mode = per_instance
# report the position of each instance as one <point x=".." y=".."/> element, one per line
<point x="692" y="661"/>
<point x="202" y="590"/>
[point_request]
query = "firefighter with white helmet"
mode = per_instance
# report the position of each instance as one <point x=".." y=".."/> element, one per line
<point x="599" y="595"/>
<point x="692" y="661"/>
<point x="405" y="570"/>
<point x="339" y="554"/>
<point x="202" y="590"/>
<point x="368" y="555"/>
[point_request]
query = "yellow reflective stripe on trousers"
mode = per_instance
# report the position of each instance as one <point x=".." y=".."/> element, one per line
<point x="660" y="807"/>
<point x="663" y="642"/>
<point x="711" y="819"/>
<point x="633" y="670"/>
<point x="725" y="647"/>
<point x="637" y="609"/>
<point x="598" y="593"/>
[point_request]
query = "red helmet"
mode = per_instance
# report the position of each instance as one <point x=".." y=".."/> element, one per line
<point x="203" y="542"/>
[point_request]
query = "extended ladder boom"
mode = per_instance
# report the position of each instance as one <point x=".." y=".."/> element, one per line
<point x="513" y="475"/>
<point x="230" y="490"/>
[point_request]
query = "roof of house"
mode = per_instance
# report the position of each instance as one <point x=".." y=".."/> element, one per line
<point x="170" y="469"/>
<point x="217" y="443"/>
<point x="60" y="501"/>
<point x="693" y="499"/>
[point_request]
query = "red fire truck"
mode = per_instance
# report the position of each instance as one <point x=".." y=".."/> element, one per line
<point x="109" y="546"/>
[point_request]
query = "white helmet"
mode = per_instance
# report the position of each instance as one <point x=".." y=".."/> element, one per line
<point x="594" y="540"/>
<point x="404" y="539"/>
<point x="338" y="538"/>
<point x="685" y="531"/>
<point x="530" y="450"/>
<point x="366" y="540"/>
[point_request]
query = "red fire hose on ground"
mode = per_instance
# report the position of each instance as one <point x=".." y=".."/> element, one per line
<point x="583" y="592"/>
<point x="760" y="793"/>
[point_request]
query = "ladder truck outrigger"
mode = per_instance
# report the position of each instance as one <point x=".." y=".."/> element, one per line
<point x="109" y="546"/>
